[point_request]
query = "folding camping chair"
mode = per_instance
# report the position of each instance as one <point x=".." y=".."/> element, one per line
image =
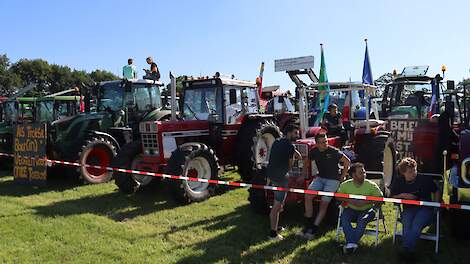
<point x="424" y="235"/>
<point x="370" y="232"/>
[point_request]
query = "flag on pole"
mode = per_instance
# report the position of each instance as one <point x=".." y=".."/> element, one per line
<point x="433" y="108"/>
<point x="366" y="71"/>
<point x="259" y="80"/>
<point x="324" y="90"/>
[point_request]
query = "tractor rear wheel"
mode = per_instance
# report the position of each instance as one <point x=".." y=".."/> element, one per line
<point x="193" y="160"/>
<point x="129" y="156"/>
<point x="96" y="151"/>
<point x="378" y="154"/>
<point x="255" y="140"/>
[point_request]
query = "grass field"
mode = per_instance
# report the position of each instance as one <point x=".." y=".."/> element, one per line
<point x="97" y="224"/>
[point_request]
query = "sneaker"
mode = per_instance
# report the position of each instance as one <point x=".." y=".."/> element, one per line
<point x="307" y="233"/>
<point x="350" y="248"/>
<point x="276" y="237"/>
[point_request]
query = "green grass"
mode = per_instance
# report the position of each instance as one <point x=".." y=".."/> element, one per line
<point x="97" y="224"/>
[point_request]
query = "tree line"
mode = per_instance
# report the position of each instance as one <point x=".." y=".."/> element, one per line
<point x="48" y="78"/>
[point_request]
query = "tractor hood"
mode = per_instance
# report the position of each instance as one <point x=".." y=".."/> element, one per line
<point x="155" y="115"/>
<point x="189" y="125"/>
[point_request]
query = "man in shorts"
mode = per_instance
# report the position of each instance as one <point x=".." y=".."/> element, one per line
<point x="327" y="159"/>
<point x="280" y="162"/>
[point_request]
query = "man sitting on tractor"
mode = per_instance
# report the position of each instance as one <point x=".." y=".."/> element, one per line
<point x="332" y="121"/>
<point x="327" y="159"/>
<point x="280" y="162"/>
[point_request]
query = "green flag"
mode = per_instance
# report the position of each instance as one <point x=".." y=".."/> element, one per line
<point x="324" y="90"/>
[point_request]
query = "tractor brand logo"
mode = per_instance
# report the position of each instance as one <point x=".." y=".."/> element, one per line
<point x="402" y="133"/>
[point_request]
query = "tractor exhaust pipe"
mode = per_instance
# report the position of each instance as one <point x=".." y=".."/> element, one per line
<point x="173" y="97"/>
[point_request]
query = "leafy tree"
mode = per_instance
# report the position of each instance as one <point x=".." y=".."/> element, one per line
<point x="102" y="75"/>
<point x="8" y="80"/>
<point x="48" y="78"/>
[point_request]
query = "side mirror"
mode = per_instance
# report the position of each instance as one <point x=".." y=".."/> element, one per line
<point x="233" y="96"/>
<point x="450" y="85"/>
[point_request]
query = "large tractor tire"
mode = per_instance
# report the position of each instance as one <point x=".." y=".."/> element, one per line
<point x="257" y="197"/>
<point x="129" y="156"/>
<point x="254" y="146"/>
<point x="378" y="154"/>
<point x="193" y="160"/>
<point x="96" y="151"/>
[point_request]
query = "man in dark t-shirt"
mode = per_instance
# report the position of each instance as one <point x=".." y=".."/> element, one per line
<point x="280" y="162"/>
<point x="153" y="73"/>
<point x="333" y="122"/>
<point x="414" y="186"/>
<point x="327" y="159"/>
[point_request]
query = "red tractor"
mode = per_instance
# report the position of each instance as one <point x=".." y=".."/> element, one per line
<point x="219" y="124"/>
<point x="370" y="144"/>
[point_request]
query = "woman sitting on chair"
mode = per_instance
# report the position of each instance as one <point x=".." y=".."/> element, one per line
<point x="414" y="186"/>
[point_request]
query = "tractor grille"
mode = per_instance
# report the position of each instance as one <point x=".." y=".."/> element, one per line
<point x="149" y="136"/>
<point x="150" y="141"/>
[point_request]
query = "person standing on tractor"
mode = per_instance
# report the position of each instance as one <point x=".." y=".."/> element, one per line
<point x="129" y="71"/>
<point x="414" y="186"/>
<point x="327" y="159"/>
<point x="153" y="73"/>
<point x="333" y="122"/>
<point x="358" y="211"/>
<point x="281" y="159"/>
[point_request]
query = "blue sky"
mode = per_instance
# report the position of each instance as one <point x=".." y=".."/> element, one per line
<point x="233" y="37"/>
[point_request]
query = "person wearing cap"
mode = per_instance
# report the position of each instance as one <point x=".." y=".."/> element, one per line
<point x="333" y="122"/>
<point x="129" y="71"/>
<point x="153" y="73"/>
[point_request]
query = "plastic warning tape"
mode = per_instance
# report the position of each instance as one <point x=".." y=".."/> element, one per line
<point x="257" y="186"/>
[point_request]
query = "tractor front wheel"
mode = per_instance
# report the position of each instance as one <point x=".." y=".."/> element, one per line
<point x="193" y="160"/>
<point x="96" y="151"/>
<point x="129" y="156"/>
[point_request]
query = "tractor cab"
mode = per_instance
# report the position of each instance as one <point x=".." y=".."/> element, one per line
<point x="128" y="101"/>
<point x="18" y="110"/>
<point x="410" y="94"/>
<point x="219" y="100"/>
<point x="57" y="106"/>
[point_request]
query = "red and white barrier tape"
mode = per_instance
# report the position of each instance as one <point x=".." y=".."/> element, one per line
<point x="256" y="186"/>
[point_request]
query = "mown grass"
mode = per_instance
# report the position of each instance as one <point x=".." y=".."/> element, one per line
<point x="97" y="224"/>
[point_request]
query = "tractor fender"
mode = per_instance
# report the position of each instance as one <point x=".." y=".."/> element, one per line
<point x="105" y="135"/>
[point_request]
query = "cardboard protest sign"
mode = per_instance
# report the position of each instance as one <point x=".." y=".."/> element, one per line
<point x="30" y="153"/>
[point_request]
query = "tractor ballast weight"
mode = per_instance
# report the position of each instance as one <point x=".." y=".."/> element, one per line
<point x="219" y="124"/>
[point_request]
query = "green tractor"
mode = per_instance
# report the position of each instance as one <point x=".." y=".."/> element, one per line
<point x="94" y="138"/>
<point x="14" y="111"/>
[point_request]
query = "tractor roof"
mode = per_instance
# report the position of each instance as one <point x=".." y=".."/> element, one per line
<point x="59" y="98"/>
<point x="341" y="87"/>
<point x="217" y="81"/>
<point x="136" y="81"/>
<point x="22" y="99"/>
